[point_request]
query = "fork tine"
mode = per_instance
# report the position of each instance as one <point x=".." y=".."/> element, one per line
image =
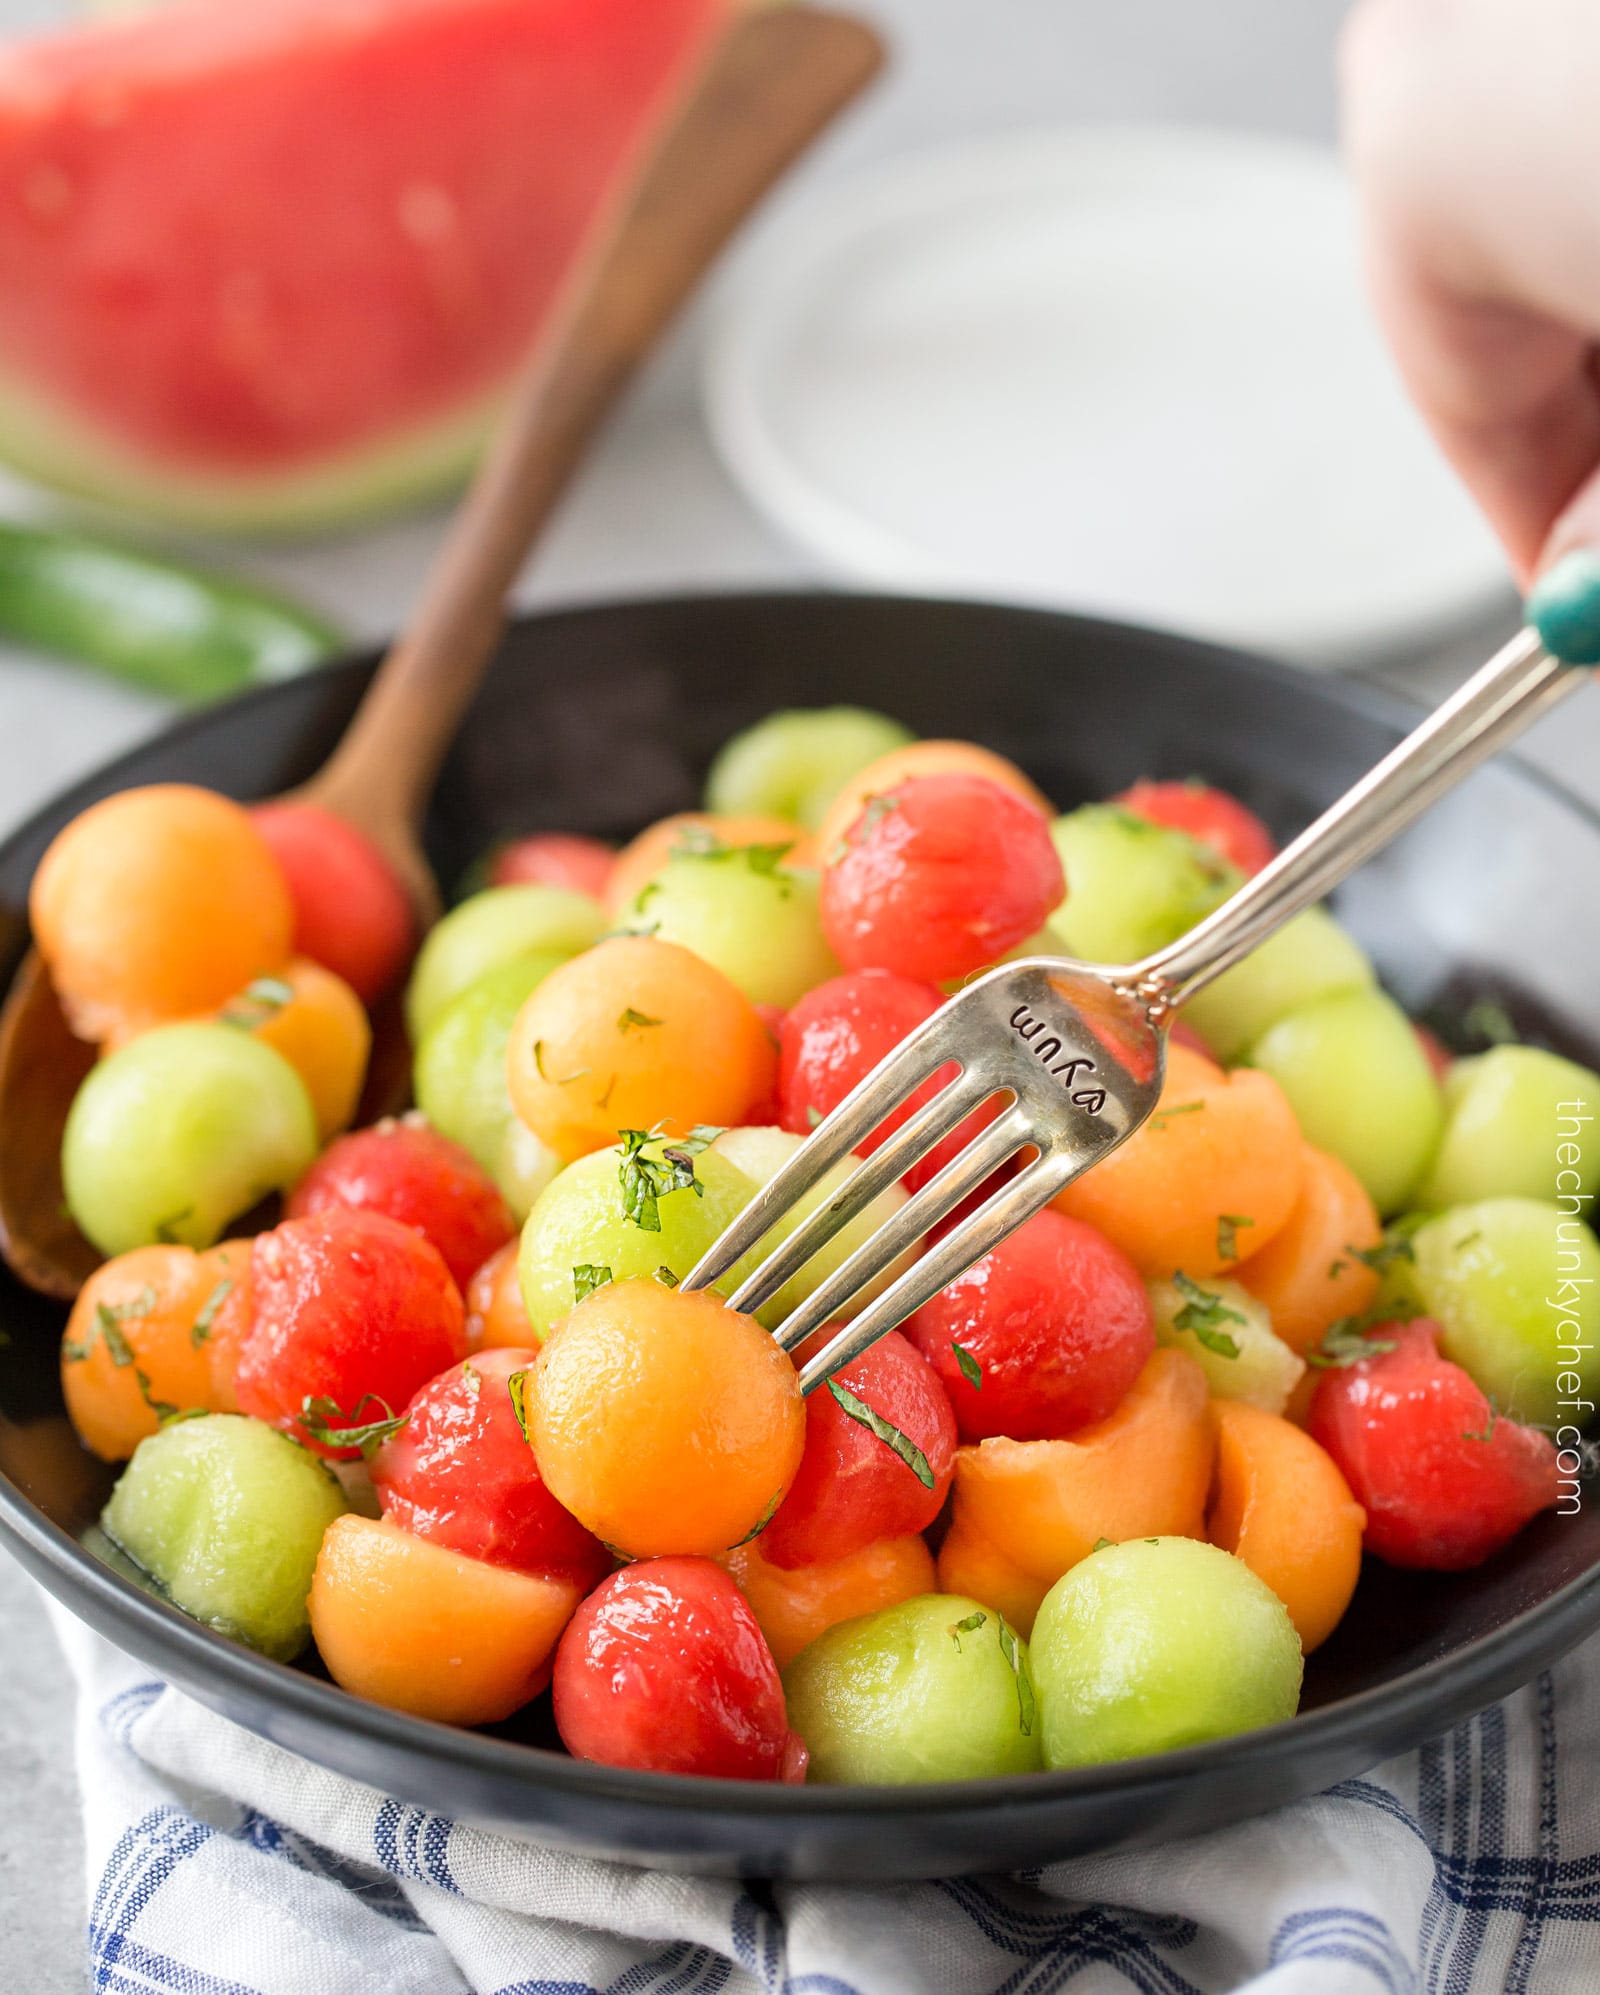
<point x="959" y="1178"/>
<point x="920" y="1054"/>
<point x="915" y="1137"/>
<point x="1026" y="1194"/>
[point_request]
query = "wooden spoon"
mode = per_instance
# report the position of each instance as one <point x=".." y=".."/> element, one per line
<point x="777" y="79"/>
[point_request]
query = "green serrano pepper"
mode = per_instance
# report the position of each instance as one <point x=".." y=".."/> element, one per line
<point x="161" y="624"/>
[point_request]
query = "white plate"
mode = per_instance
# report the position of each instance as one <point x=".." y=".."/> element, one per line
<point x="1124" y="371"/>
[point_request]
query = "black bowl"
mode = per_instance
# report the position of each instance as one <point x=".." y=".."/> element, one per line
<point x="599" y="720"/>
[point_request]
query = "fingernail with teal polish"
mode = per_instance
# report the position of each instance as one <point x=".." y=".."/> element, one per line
<point x="1564" y="608"/>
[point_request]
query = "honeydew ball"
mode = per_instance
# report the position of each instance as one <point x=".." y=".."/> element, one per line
<point x="1132" y="886"/>
<point x="1514" y="1284"/>
<point x="761" y="1153"/>
<point x="227" y="1514"/>
<point x="936" y="1688"/>
<point x="1159" y="1643"/>
<point x="793" y="764"/>
<point x="580" y="1228"/>
<point x="461" y="1087"/>
<point x="742" y="910"/>
<point x="181" y="1131"/>
<point x="1519" y="1122"/>
<point x="487" y="930"/>
<point x="1361" y="1086"/>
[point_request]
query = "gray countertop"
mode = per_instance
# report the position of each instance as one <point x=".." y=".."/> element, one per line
<point x="653" y="511"/>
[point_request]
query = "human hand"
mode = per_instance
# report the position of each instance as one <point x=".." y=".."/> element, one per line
<point x="1469" y="127"/>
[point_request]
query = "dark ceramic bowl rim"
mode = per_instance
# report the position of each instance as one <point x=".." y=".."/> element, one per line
<point x="1476" y="1673"/>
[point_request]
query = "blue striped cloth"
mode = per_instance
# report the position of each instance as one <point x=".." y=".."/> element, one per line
<point x="221" y="1865"/>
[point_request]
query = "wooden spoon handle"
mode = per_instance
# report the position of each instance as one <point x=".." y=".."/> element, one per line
<point x="775" y="82"/>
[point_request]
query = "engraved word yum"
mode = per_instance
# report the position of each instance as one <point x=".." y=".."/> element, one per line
<point x="1046" y="1047"/>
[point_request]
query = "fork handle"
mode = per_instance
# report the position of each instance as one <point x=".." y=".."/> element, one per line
<point x="1494" y="706"/>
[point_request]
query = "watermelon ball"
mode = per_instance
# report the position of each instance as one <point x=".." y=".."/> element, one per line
<point x="460" y="1473"/>
<point x="853" y="1486"/>
<point x="228" y="1516"/>
<point x="664" y="1668"/>
<point x="351" y="910"/>
<point x="1207" y="814"/>
<point x="1444" y="1480"/>
<point x="1042" y="1336"/>
<point x="554" y="859"/>
<point x="351" y="1310"/>
<point x="411" y="1173"/>
<point x="939" y="878"/>
<point x="936" y="1688"/>
<point x="837" y="1034"/>
<point x="1159" y="1643"/>
<point x="180" y="1131"/>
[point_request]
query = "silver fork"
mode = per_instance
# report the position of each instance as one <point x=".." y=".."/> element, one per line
<point x="1076" y="1051"/>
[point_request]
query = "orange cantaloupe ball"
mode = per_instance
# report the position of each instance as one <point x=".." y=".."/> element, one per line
<point x="143" y="1313"/>
<point x="1221" y="1149"/>
<point x="665" y="1421"/>
<point x="1308" y="1274"/>
<point x="795" y="1606"/>
<point x="322" y="1030"/>
<point x="158" y="904"/>
<point x="413" y="1625"/>
<point x="637" y="864"/>
<point x="1280" y="1504"/>
<point x="497" y="1316"/>
<point x="921" y="758"/>
<point x="578" y="1074"/>
<point x="1144" y="1472"/>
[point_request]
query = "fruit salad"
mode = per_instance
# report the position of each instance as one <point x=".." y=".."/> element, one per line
<point x="428" y="1394"/>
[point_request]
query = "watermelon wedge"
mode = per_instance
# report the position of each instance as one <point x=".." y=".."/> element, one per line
<point x="272" y="263"/>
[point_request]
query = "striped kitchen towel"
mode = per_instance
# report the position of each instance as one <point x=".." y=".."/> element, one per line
<point x="222" y="1865"/>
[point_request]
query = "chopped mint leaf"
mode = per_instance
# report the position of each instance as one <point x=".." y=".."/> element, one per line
<point x="517" y="1388"/>
<point x="886" y="1431"/>
<point x="969" y="1626"/>
<point x="587" y="1276"/>
<point x="326" y="1421"/>
<point x="632" y="1020"/>
<point x="646" y="1180"/>
<point x="257" y="1003"/>
<point x="206" y="1320"/>
<point x="1012" y="1652"/>
<point x="1229" y="1225"/>
<point x="666" y="1277"/>
<point x="1163" y="1116"/>
<point x="1102" y="1544"/>
<point x="1345" y="1343"/>
<point x="1388" y="1251"/>
<point x="971" y="1370"/>
<point x="1488" y="1428"/>
<point x="1203" y="1313"/>
<point x="762" y="1521"/>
